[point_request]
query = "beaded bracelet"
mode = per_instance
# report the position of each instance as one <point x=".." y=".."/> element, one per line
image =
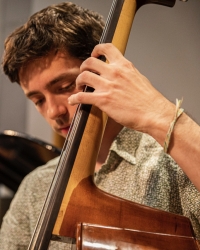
<point x="178" y="113"/>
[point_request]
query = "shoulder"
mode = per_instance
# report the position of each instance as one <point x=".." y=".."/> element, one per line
<point x="41" y="175"/>
<point x="35" y="185"/>
<point x="20" y="219"/>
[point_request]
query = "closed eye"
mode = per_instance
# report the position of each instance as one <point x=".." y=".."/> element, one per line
<point x="67" y="88"/>
<point x="39" y="102"/>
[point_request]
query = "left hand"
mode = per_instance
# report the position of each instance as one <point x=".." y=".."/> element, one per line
<point x="121" y="90"/>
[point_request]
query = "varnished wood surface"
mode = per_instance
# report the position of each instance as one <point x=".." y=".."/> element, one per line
<point x="91" y="205"/>
<point x="85" y="163"/>
<point x="97" y="237"/>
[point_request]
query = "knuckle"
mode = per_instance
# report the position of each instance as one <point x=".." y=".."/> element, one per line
<point x="105" y="99"/>
<point x="106" y="48"/>
<point x="89" y="62"/>
<point x="78" y="97"/>
<point x="103" y="48"/>
<point x="119" y="71"/>
<point x="82" y="77"/>
<point x="128" y="64"/>
<point x="109" y="45"/>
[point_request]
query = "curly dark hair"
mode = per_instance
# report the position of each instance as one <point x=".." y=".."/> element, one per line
<point x="63" y="26"/>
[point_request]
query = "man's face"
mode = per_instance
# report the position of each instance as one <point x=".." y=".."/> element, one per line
<point x="48" y="82"/>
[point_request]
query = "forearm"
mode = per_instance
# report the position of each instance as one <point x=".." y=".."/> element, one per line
<point x="184" y="146"/>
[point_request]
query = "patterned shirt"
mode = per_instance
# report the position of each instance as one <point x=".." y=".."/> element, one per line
<point x="136" y="169"/>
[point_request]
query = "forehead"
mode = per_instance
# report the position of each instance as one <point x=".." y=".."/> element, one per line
<point x="47" y="65"/>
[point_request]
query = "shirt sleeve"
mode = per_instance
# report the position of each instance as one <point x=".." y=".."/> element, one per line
<point x="190" y="199"/>
<point x="21" y="218"/>
<point x="15" y="224"/>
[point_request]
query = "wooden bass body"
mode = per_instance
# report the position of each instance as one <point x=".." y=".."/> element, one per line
<point x="91" y="236"/>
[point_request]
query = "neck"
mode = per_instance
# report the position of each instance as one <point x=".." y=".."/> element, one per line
<point x="111" y="131"/>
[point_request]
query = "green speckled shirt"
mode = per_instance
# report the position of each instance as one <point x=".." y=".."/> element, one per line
<point x="136" y="169"/>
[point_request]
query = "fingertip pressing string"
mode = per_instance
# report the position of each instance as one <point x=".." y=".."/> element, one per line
<point x="179" y="111"/>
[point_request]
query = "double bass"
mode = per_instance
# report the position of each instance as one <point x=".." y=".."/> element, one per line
<point x="75" y="210"/>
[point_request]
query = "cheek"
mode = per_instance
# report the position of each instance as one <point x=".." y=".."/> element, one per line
<point x="49" y="121"/>
<point x="42" y="112"/>
<point x="72" y="109"/>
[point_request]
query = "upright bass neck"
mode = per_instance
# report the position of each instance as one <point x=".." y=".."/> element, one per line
<point x="84" y="164"/>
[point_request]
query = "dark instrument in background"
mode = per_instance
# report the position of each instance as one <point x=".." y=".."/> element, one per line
<point x="20" y="154"/>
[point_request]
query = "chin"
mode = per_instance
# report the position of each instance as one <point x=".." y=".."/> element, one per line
<point x="64" y="134"/>
<point x="61" y="134"/>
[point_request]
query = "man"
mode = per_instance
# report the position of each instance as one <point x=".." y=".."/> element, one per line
<point x="45" y="56"/>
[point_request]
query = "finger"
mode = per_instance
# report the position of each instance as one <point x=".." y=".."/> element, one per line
<point x="82" y="97"/>
<point x="94" y="65"/>
<point x="90" y="79"/>
<point x="108" y="50"/>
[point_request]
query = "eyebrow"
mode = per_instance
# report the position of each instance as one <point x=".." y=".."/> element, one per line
<point x="53" y="82"/>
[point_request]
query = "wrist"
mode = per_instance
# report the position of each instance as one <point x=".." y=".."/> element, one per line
<point x="160" y="120"/>
<point x="178" y="112"/>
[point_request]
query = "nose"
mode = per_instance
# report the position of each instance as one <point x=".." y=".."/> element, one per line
<point x="56" y="108"/>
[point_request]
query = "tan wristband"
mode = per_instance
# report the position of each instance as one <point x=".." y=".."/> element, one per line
<point x="179" y="111"/>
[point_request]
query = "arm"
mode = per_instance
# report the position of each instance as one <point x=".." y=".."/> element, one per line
<point x="15" y="229"/>
<point x="128" y="97"/>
